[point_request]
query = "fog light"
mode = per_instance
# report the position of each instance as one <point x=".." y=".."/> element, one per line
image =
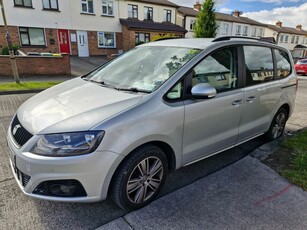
<point x="60" y="188"/>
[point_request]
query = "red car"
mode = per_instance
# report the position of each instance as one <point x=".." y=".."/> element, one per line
<point x="301" y="66"/>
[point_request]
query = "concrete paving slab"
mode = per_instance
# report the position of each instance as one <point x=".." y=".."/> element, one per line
<point x="245" y="195"/>
<point x="119" y="224"/>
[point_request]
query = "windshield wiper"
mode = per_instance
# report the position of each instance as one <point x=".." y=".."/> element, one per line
<point x="102" y="83"/>
<point x="134" y="90"/>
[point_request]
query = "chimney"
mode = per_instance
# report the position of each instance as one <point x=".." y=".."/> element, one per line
<point x="279" y="24"/>
<point x="197" y="6"/>
<point x="236" y="13"/>
<point x="299" y="27"/>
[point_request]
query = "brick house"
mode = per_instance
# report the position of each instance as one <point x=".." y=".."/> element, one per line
<point x="86" y="27"/>
<point x="143" y="20"/>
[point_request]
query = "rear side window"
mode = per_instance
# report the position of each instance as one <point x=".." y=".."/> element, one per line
<point x="219" y="69"/>
<point x="283" y="64"/>
<point x="259" y="64"/>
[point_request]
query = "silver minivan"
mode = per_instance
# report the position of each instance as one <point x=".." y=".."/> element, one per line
<point x="118" y="130"/>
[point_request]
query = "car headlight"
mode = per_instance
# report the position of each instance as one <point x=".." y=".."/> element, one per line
<point x="68" y="144"/>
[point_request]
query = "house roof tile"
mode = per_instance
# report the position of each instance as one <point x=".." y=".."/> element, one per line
<point x="188" y="11"/>
<point x="287" y="30"/>
<point x="149" y="25"/>
<point x="159" y="2"/>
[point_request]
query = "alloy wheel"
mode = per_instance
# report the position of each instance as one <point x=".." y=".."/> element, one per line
<point x="144" y="180"/>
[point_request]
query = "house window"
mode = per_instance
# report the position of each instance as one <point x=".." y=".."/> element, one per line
<point x="225" y="28"/>
<point x="132" y="11"/>
<point x="254" y="32"/>
<point x="245" y="30"/>
<point x="141" y="38"/>
<point x="292" y="39"/>
<point x="281" y="39"/>
<point x="148" y="13"/>
<point x="260" y="32"/>
<point x="32" y="36"/>
<point x="238" y="30"/>
<point x="167" y="15"/>
<point x="87" y="6"/>
<point x="23" y="3"/>
<point x="106" y="40"/>
<point x="192" y="25"/>
<point x="107" y="8"/>
<point x="286" y="38"/>
<point x="297" y="38"/>
<point x="50" y="5"/>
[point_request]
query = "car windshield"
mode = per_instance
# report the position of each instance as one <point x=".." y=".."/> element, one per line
<point x="302" y="62"/>
<point x="143" y="68"/>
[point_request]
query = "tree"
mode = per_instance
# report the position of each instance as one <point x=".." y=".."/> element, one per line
<point x="206" y="25"/>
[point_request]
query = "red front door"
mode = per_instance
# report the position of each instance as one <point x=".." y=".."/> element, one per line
<point x="64" y="41"/>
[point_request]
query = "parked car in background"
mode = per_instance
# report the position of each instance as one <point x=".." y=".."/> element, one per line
<point x="301" y="66"/>
<point x="120" y="129"/>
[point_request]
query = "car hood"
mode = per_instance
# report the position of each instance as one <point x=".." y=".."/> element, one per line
<point x="75" y="105"/>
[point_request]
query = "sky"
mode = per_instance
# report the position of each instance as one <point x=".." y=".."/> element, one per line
<point x="290" y="12"/>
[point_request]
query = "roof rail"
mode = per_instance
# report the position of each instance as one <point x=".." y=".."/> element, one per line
<point x="227" y="38"/>
<point x="166" y="38"/>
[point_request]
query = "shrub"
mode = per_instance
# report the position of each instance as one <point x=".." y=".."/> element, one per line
<point x="5" y="49"/>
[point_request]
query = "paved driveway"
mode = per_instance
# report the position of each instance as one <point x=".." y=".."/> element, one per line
<point x="20" y="212"/>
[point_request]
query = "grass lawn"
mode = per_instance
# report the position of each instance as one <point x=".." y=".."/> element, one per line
<point x="297" y="170"/>
<point x="291" y="160"/>
<point x="26" y="85"/>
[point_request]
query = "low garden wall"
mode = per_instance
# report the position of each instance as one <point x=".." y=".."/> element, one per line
<point x="36" y="65"/>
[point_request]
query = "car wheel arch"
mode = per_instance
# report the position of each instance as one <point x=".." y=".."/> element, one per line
<point x="165" y="147"/>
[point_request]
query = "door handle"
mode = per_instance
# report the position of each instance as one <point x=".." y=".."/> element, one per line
<point x="251" y="98"/>
<point x="237" y="102"/>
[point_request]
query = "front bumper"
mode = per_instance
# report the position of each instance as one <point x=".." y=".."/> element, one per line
<point x="94" y="171"/>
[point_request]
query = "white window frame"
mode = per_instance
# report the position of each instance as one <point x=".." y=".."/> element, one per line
<point x="254" y="31"/>
<point x="297" y="39"/>
<point x="225" y="28"/>
<point x="105" y="3"/>
<point x="245" y="30"/>
<point x="86" y="2"/>
<point x="281" y="38"/>
<point x="238" y="30"/>
<point x="100" y="33"/>
<point x="260" y="31"/>
<point x="286" y="38"/>
<point x="192" y="24"/>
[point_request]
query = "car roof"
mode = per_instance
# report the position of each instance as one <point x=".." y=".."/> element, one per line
<point x="198" y="43"/>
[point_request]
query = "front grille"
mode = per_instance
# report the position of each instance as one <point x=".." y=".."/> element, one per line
<point x="22" y="177"/>
<point x="19" y="133"/>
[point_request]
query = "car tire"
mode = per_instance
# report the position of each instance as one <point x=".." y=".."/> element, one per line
<point x="278" y="125"/>
<point x="140" y="178"/>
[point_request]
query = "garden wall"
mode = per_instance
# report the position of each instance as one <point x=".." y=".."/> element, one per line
<point x="36" y="65"/>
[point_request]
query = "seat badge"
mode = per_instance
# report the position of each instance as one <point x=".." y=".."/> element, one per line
<point x="15" y="129"/>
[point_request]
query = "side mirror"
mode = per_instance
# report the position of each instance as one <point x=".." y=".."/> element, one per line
<point x="203" y="90"/>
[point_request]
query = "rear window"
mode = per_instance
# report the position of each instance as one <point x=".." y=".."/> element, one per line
<point x="259" y="64"/>
<point x="283" y="64"/>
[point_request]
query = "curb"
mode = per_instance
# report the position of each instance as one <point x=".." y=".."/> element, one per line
<point x="21" y="91"/>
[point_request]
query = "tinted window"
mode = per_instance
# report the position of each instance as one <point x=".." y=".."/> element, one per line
<point x="219" y="69"/>
<point x="259" y="64"/>
<point x="282" y="63"/>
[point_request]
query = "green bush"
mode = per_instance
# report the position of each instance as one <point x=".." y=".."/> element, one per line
<point x="5" y="49"/>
